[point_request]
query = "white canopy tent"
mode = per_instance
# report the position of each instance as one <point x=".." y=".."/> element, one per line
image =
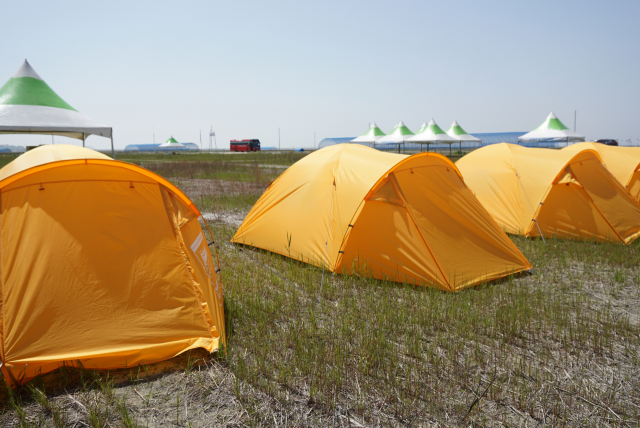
<point x="172" y="142"/>
<point x="456" y="131"/>
<point x="432" y="134"/>
<point x="396" y="135"/>
<point x="29" y="106"/>
<point x="551" y="130"/>
<point x="371" y="136"/>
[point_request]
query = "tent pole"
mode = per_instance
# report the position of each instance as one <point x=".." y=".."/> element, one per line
<point x="83" y="138"/>
<point x="113" y="153"/>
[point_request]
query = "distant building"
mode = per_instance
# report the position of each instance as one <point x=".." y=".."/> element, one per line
<point x="156" y="148"/>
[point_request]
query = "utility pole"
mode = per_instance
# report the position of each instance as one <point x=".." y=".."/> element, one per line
<point x="212" y="135"/>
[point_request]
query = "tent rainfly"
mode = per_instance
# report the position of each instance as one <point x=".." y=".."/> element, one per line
<point x="432" y="134"/>
<point x="104" y="264"/>
<point x="622" y="162"/>
<point x="553" y="193"/>
<point x="29" y="106"/>
<point x="372" y="135"/>
<point x="397" y="135"/>
<point x="551" y="130"/>
<point x="461" y="135"/>
<point x="172" y="142"/>
<point x="402" y="218"/>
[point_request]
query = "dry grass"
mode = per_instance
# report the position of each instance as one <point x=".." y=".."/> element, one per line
<point x="557" y="348"/>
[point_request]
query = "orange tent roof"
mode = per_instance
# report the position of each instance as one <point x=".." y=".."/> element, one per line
<point x="103" y="262"/>
<point x="407" y="219"/>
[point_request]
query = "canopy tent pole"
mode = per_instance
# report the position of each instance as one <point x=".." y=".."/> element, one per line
<point x="83" y="139"/>
<point x="113" y="153"/>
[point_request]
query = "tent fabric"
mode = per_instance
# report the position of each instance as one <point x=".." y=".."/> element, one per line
<point x="456" y="131"/>
<point x="371" y="136"/>
<point x="551" y="130"/>
<point x="564" y="194"/>
<point x="622" y="162"/>
<point x="432" y="134"/>
<point x="102" y="263"/>
<point x="403" y="218"/>
<point x="29" y="106"/>
<point x="171" y="142"/>
<point x="397" y="135"/>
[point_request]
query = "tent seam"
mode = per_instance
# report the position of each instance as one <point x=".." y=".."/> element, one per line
<point x="181" y="247"/>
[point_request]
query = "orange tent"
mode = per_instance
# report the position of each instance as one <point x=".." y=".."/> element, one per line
<point x="622" y="162"/>
<point x="553" y="192"/>
<point x="407" y="219"/>
<point x="102" y="262"/>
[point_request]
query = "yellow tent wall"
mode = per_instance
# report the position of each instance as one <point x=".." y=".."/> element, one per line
<point x="622" y="162"/>
<point x="407" y="219"/>
<point x="102" y="262"/>
<point x="568" y="194"/>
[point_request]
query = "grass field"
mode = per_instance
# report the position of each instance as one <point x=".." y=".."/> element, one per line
<point x="560" y="347"/>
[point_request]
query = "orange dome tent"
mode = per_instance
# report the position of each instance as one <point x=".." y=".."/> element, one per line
<point x="553" y="192"/>
<point x="102" y="262"/>
<point x="407" y="219"/>
<point x="622" y="162"/>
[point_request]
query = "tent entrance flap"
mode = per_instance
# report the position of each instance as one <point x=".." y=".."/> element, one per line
<point x="417" y="223"/>
<point x="568" y="212"/>
<point x="610" y="198"/>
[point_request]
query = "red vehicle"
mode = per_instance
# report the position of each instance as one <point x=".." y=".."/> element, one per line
<point x="244" y="145"/>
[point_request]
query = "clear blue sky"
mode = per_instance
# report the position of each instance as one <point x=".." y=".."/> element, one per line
<point x="330" y="67"/>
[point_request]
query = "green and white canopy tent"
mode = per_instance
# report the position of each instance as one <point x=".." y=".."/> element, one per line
<point x="456" y="131"/>
<point x="397" y="135"/>
<point x="172" y="142"/>
<point x="371" y="136"/>
<point x="432" y="134"/>
<point x="422" y="127"/>
<point x="29" y="106"/>
<point x="551" y="130"/>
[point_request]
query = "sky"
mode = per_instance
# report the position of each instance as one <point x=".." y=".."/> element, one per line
<point x="310" y="70"/>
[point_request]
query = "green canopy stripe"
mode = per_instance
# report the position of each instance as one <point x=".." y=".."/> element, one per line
<point x="436" y="129"/>
<point x="30" y="92"/>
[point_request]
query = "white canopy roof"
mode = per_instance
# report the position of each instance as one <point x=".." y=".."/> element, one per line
<point x="432" y="134"/>
<point x="172" y="142"/>
<point x="397" y="135"/>
<point x="372" y="135"/>
<point x="551" y="130"/>
<point x="460" y="134"/>
<point x="29" y="106"/>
